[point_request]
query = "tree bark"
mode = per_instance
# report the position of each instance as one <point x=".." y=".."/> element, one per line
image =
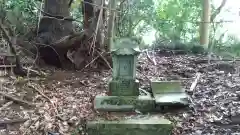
<point x="52" y="27"/>
<point x="94" y="22"/>
<point x="65" y="46"/>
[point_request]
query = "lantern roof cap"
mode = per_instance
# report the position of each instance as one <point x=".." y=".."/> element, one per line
<point x="125" y="46"/>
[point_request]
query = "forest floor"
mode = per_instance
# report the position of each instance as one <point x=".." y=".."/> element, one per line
<point x="62" y="101"/>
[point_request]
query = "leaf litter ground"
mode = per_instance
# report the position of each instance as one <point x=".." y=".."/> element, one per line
<point x="63" y="100"/>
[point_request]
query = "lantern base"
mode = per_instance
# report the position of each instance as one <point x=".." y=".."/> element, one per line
<point x="124" y="103"/>
<point x="124" y="87"/>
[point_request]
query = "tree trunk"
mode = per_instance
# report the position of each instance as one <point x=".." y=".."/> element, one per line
<point x="64" y="46"/>
<point x="111" y="22"/>
<point x="94" y="19"/>
<point x="94" y="22"/>
<point x="52" y="27"/>
<point x="204" y="32"/>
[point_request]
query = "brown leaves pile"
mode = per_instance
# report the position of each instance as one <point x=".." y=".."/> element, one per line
<point x="64" y="99"/>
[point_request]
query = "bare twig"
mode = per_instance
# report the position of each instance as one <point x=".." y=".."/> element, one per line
<point x="96" y="30"/>
<point x="104" y="59"/>
<point x="90" y="62"/>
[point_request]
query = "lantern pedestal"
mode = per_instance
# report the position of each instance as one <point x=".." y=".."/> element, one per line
<point x="124" y="87"/>
<point x="124" y="103"/>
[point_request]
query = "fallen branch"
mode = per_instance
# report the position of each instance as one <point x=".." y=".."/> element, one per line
<point x="41" y="93"/>
<point x="6" y="105"/>
<point x="194" y="84"/>
<point x="4" y="123"/>
<point x="16" y="100"/>
<point x="192" y="88"/>
<point x="35" y="72"/>
<point x="90" y="63"/>
<point x="25" y="132"/>
<point x="152" y="60"/>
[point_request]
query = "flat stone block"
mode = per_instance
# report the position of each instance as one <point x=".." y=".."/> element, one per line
<point x="171" y="99"/>
<point x="161" y="87"/>
<point x="167" y="93"/>
<point x="147" y="125"/>
<point x="124" y="87"/>
<point x="124" y="103"/>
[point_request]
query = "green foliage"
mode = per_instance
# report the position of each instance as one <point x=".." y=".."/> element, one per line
<point x="133" y="17"/>
<point x="21" y="14"/>
<point x="186" y="48"/>
<point x="176" y="19"/>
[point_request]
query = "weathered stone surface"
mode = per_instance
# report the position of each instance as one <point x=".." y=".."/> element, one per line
<point x="114" y="103"/>
<point x="171" y="98"/>
<point x="124" y="58"/>
<point x="124" y="87"/>
<point x="160" y="87"/>
<point x="169" y="93"/>
<point x="125" y="46"/>
<point x="147" y="125"/>
<point x="124" y="103"/>
<point x="145" y="104"/>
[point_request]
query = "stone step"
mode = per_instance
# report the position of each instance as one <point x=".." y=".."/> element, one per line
<point x="147" y="125"/>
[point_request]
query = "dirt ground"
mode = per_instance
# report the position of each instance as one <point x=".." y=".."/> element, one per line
<point x="62" y="100"/>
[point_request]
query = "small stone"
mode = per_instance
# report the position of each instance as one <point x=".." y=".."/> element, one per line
<point x="198" y="132"/>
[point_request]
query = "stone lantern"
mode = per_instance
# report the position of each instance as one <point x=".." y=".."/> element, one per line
<point x="124" y="57"/>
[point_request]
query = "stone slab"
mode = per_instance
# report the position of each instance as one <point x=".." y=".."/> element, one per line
<point x="171" y="99"/>
<point x="169" y="93"/>
<point x="161" y="87"/>
<point x="124" y="103"/>
<point x="147" y="125"/>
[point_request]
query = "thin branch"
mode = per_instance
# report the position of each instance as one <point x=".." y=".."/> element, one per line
<point x="96" y="30"/>
<point x="70" y="3"/>
<point x="218" y="10"/>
